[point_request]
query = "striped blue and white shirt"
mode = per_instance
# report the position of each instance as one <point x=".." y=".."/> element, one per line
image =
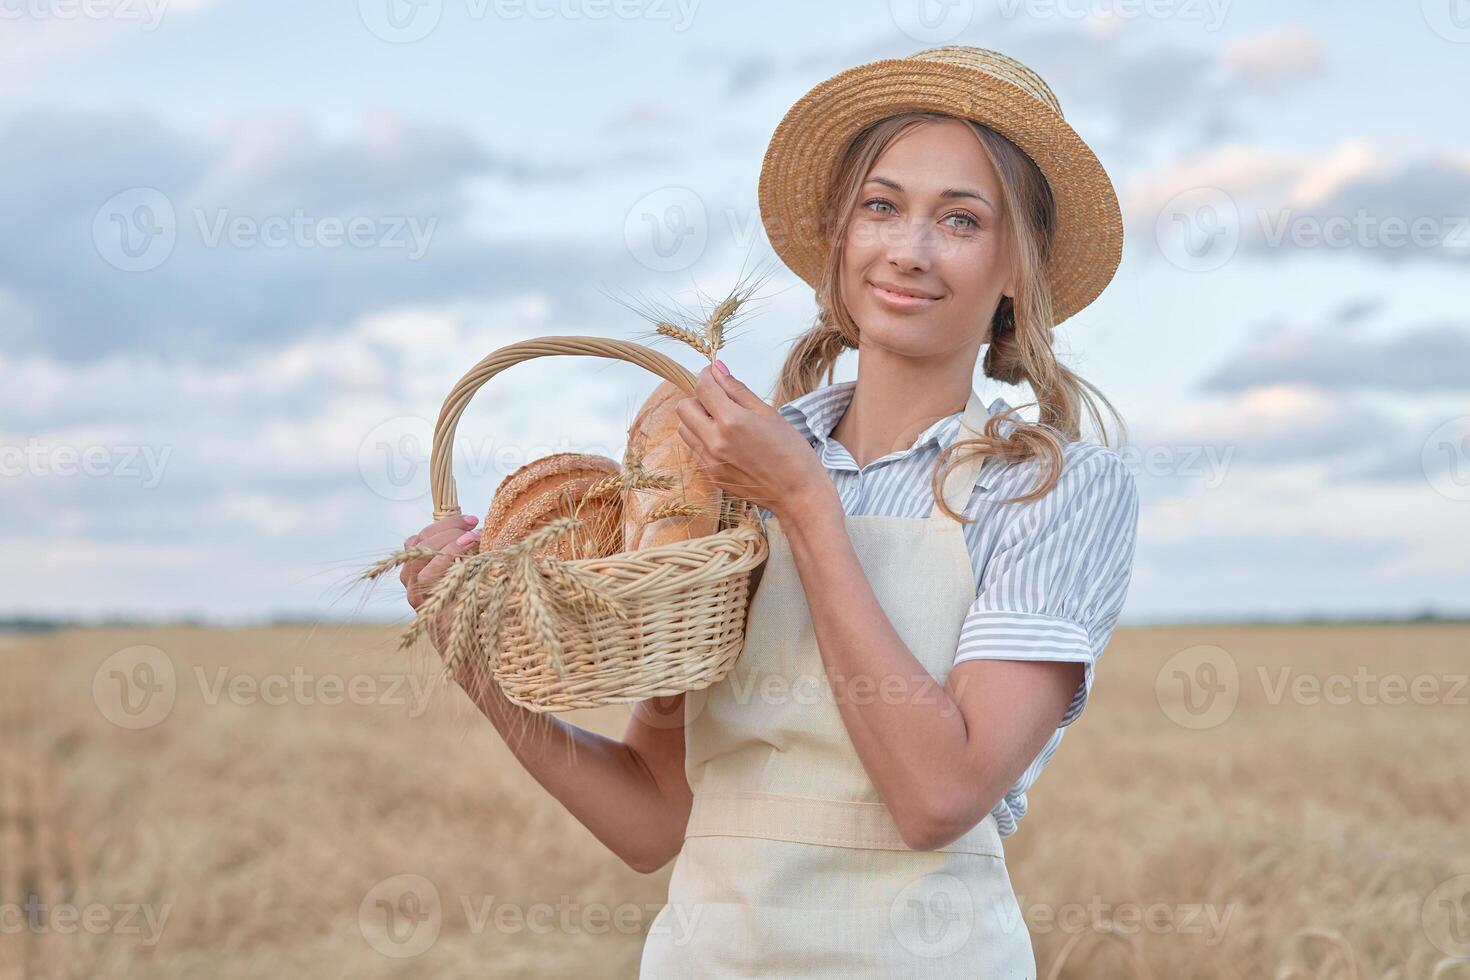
<point x="1051" y="574"/>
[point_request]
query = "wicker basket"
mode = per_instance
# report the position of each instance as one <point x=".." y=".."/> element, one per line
<point x="683" y="606"/>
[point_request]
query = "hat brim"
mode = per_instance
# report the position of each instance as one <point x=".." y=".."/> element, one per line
<point x="799" y="164"/>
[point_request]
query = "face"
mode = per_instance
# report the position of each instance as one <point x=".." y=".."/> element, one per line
<point x="927" y="223"/>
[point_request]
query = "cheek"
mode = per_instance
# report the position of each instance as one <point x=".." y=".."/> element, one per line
<point x="974" y="270"/>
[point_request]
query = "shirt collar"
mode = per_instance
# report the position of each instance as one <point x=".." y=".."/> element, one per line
<point x="817" y="413"/>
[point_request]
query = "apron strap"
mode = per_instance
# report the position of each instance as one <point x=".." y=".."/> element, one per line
<point x="961" y="479"/>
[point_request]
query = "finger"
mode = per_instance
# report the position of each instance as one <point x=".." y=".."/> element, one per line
<point x="716" y="401"/>
<point x="465" y="543"/>
<point x="692" y="440"/>
<point x="442" y="524"/>
<point x="452" y="521"/>
<point x="702" y="460"/>
<point x="696" y="419"/>
<point x="736" y="389"/>
<point x="429" y="540"/>
<point x="414" y="571"/>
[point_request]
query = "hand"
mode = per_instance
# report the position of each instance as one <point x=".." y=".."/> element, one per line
<point x="746" y="447"/>
<point x="450" y="536"/>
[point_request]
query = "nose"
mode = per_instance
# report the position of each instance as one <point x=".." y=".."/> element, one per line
<point x="909" y="244"/>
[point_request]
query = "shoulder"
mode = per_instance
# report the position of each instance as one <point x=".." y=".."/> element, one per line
<point x="1089" y="470"/>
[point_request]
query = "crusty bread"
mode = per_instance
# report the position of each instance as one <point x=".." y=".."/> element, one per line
<point x="655" y="432"/>
<point x="551" y="487"/>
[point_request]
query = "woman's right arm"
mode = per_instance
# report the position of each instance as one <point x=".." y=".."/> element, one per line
<point x="631" y="794"/>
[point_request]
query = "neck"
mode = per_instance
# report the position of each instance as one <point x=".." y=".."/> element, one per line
<point x="896" y="398"/>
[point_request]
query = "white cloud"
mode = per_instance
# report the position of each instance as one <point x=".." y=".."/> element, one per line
<point x="1350" y="199"/>
<point x="36" y="33"/>
<point x="1285" y="52"/>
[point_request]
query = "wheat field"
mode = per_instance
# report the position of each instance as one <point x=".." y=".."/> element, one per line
<point x="1237" y="801"/>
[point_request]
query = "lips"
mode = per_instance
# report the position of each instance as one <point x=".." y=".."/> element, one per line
<point x="900" y="290"/>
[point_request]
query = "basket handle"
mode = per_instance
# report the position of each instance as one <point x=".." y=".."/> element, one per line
<point x="441" y="480"/>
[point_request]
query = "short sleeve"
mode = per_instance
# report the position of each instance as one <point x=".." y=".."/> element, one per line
<point x="1055" y="584"/>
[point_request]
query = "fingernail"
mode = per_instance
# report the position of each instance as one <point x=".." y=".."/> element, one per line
<point x="721" y="365"/>
<point x="466" y="537"/>
<point x="470" y="519"/>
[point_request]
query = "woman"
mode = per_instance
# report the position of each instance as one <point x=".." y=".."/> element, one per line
<point x="935" y="599"/>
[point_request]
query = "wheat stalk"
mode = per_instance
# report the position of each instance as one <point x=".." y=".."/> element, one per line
<point x="673" y="509"/>
<point x="689" y="337"/>
<point x="711" y="335"/>
<point x="486" y="584"/>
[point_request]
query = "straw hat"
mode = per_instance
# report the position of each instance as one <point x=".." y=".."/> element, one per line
<point x="973" y="83"/>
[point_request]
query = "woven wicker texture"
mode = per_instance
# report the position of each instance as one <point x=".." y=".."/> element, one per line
<point x="607" y="630"/>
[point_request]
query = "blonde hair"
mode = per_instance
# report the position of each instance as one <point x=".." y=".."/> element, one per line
<point x="1020" y="331"/>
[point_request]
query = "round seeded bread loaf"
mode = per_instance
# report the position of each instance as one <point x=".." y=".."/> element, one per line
<point x="551" y="487"/>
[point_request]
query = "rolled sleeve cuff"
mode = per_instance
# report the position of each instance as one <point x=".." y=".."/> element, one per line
<point x="1030" y="636"/>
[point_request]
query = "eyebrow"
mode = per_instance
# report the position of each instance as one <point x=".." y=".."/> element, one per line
<point x="946" y="193"/>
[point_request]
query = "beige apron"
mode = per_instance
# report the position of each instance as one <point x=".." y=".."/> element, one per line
<point x="792" y="865"/>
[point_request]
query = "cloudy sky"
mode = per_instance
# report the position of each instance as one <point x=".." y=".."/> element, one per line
<point x="250" y="247"/>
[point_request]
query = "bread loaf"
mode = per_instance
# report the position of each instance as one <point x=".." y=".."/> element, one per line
<point x="655" y="434"/>
<point x="551" y="487"/>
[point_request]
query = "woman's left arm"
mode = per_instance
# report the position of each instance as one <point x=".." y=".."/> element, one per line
<point x="939" y="757"/>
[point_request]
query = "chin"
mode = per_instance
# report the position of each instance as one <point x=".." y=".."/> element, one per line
<point x="910" y="336"/>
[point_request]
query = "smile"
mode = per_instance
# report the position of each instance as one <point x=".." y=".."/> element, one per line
<point x="900" y="301"/>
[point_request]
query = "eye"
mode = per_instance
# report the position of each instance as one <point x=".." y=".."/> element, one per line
<point x="964" y="216"/>
<point x="877" y="200"/>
